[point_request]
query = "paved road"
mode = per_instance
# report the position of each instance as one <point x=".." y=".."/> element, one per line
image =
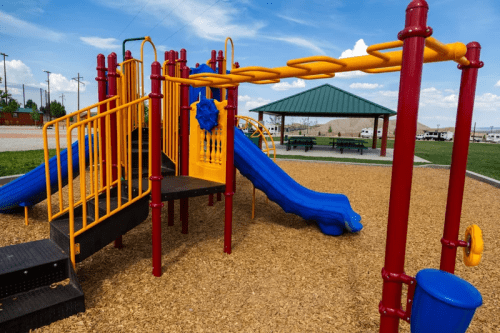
<point x="16" y="138"/>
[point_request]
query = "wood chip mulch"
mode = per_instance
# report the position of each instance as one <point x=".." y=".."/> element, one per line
<point x="284" y="275"/>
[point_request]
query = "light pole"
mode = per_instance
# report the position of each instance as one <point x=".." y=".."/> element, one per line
<point x="77" y="79"/>
<point x="5" y="76"/>
<point x="438" y="128"/>
<point x="48" y="88"/>
<point x="62" y="99"/>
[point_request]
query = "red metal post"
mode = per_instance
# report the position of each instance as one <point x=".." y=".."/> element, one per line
<point x="459" y="157"/>
<point x="232" y="102"/>
<point x="156" y="176"/>
<point x="170" y="56"/>
<point x="185" y="108"/>
<point x="375" y="134"/>
<point x="237" y="65"/>
<point x="413" y="37"/>
<point x="112" y="90"/>
<point x="128" y="92"/>
<point x="385" y="132"/>
<point x="220" y="59"/>
<point x="101" y="89"/>
<point x="213" y="66"/>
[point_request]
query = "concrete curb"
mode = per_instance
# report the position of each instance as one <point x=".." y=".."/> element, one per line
<point x="7" y="179"/>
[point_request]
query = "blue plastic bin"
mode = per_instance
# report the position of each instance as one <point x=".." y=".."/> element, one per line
<point x="443" y="303"/>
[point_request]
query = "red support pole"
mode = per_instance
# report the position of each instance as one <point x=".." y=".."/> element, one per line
<point x="375" y="133"/>
<point x="170" y="56"/>
<point x="101" y="88"/>
<point x="232" y="102"/>
<point x="413" y="37"/>
<point x="112" y="91"/>
<point x="236" y="65"/>
<point x="185" y="108"/>
<point x="213" y="66"/>
<point x="156" y="176"/>
<point x="459" y="157"/>
<point x="385" y="131"/>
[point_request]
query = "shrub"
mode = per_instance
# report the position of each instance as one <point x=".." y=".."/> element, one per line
<point x="330" y="129"/>
<point x="339" y="134"/>
<point x="319" y="133"/>
<point x="300" y="132"/>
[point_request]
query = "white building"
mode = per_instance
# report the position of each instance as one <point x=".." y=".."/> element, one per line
<point x="368" y="133"/>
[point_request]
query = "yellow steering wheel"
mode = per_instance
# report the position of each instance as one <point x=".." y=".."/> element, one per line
<point x="474" y="250"/>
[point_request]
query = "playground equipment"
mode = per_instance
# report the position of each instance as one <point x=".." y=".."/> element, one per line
<point x="182" y="161"/>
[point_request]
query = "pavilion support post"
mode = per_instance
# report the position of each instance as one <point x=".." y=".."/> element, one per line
<point x="375" y="136"/>
<point x="393" y="276"/>
<point x="385" y="131"/>
<point x="282" y="129"/>
<point x="459" y="157"/>
<point x="261" y="120"/>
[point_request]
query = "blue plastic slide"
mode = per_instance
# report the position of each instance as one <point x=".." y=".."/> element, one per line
<point x="332" y="212"/>
<point x="30" y="188"/>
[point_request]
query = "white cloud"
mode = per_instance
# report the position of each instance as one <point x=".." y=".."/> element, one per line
<point x="59" y="83"/>
<point x="389" y="93"/>
<point x="16" y="27"/>
<point x="300" y="42"/>
<point x="17" y="72"/>
<point x="295" y="20"/>
<point x="359" y="49"/>
<point x="244" y="98"/>
<point x="497" y="84"/>
<point x="487" y="102"/>
<point x="451" y="98"/>
<point x="451" y="91"/>
<point x="14" y="91"/>
<point x="365" y="85"/>
<point x="101" y="43"/>
<point x="162" y="48"/>
<point x="281" y="86"/>
<point x="255" y="103"/>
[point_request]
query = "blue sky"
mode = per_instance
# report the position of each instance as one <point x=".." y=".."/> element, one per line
<point x="64" y="37"/>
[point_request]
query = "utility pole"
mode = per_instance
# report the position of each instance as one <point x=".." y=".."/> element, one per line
<point x="48" y="86"/>
<point x="491" y="129"/>
<point x="474" y="135"/>
<point x="24" y="98"/>
<point x="5" y="76"/>
<point x="62" y="99"/>
<point x="41" y="102"/>
<point x="77" y="79"/>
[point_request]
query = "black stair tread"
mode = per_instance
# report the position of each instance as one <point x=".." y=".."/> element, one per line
<point x="63" y="224"/>
<point x="179" y="187"/>
<point x="22" y="256"/>
<point x="38" y="299"/>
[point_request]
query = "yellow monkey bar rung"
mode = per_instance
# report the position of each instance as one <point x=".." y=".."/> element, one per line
<point x="317" y="67"/>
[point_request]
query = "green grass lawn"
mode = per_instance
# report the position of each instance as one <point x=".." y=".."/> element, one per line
<point x="19" y="162"/>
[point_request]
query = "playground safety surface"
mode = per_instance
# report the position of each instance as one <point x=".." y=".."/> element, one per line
<point x="284" y="275"/>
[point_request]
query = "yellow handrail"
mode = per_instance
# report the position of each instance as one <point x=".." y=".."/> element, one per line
<point x="97" y="170"/>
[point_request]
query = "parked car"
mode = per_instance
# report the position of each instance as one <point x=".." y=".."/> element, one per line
<point x="493" y="137"/>
<point x="438" y="136"/>
<point x="368" y="133"/>
<point x="420" y="137"/>
<point x="476" y="139"/>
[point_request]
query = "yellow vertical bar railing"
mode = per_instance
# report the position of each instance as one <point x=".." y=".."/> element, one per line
<point x="109" y="176"/>
<point x="59" y="177"/>
<point x="96" y="167"/>
<point x="130" y="153"/>
<point x="83" y="187"/>
<point x="141" y="111"/>
<point x="91" y="159"/>
<point x="71" y="201"/>
<point x="119" y="156"/>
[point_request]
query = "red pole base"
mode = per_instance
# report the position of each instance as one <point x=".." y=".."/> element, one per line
<point x="119" y="243"/>
<point x="228" y="222"/>
<point x="171" y="209"/>
<point x="210" y="199"/>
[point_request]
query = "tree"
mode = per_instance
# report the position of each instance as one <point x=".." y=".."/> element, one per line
<point x="275" y="120"/>
<point x="11" y="107"/>
<point x="57" y="110"/>
<point x="330" y="129"/>
<point x="34" y="113"/>
<point x="30" y="104"/>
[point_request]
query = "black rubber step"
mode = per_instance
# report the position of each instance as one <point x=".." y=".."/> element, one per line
<point x="179" y="187"/>
<point x="30" y="296"/>
<point x="103" y="233"/>
<point x="165" y="171"/>
<point x="31" y="265"/>
<point x="39" y="307"/>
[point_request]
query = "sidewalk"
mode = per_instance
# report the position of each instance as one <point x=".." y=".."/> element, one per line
<point x="19" y="138"/>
